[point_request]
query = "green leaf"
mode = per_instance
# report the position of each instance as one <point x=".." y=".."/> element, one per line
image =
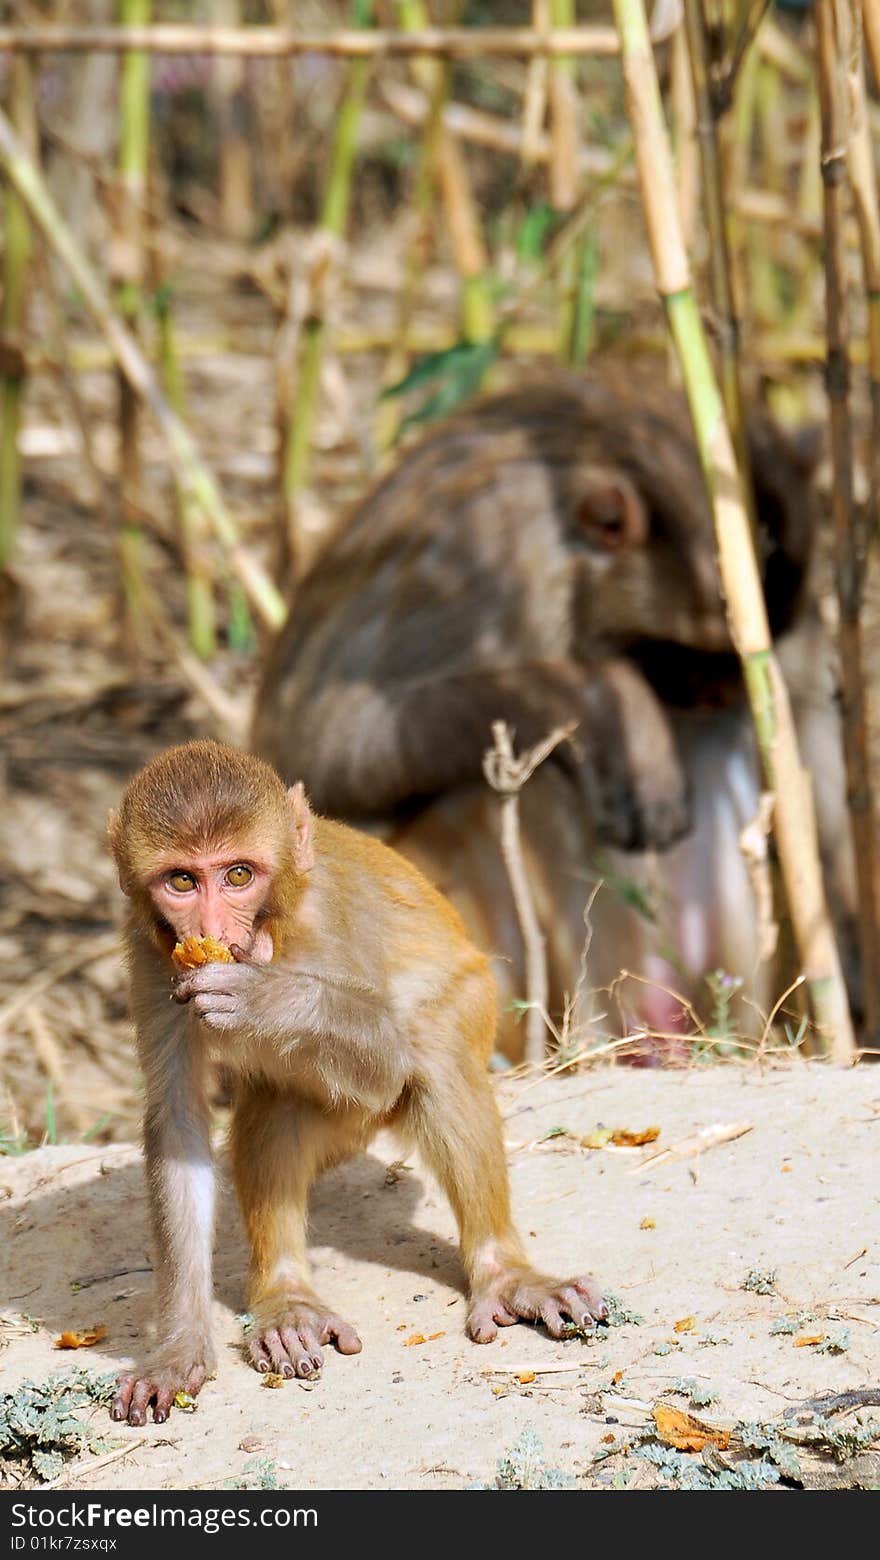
<point x="533" y="233"/>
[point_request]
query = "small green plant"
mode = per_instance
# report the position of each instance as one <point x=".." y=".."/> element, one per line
<point x="13" y="1141"/>
<point x="260" y="1473"/>
<point x="40" y="1424"/>
<point x="761" y="1281"/>
<point x="697" y="1395"/>
<point x="524" y="1468"/>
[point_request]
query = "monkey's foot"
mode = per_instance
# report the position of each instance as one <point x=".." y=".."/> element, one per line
<point x="521" y="1294"/>
<point x="288" y="1340"/>
<point x="161" y="1386"/>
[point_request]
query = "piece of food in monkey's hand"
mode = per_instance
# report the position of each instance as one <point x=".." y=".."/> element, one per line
<point x="193" y="952"/>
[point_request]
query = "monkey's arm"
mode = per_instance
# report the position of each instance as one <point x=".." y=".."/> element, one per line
<point x="364" y="751"/>
<point x="180" y="1182"/>
<point x="332" y="1030"/>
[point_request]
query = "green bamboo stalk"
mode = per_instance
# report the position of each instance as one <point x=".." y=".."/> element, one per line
<point x="13" y="312"/>
<point x="134" y="140"/>
<point x="331" y="230"/>
<point x="583" y="313"/>
<point x="795" y="821"/>
<point x="20" y="171"/>
<point x="833" y="47"/>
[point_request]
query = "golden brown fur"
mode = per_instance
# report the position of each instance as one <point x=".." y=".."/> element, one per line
<point x="355" y="1001"/>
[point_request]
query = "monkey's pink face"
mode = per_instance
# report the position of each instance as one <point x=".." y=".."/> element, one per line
<point x="212" y="896"/>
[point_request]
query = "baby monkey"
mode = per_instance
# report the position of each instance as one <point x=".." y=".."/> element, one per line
<point x="354" y="1002"/>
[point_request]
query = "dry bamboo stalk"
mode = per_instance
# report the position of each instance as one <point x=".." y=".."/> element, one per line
<point x="534" y="109"/>
<point x="863" y="179"/>
<point x="725" y="318"/>
<point x="684" y="113"/>
<point x="24" y="177"/>
<point x="13" y="313"/>
<point x="833" y="43"/>
<point x="277" y="42"/>
<point x="871" y="24"/>
<point x="563" y="118"/>
<point x="795" y="821"/>
<point x="236" y="184"/>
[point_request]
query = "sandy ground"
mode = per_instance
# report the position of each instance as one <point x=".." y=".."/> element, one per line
<point x="796" y="1197"/>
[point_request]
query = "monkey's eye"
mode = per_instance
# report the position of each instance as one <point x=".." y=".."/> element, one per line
<point x="181" y="882"/>
<point x="236" y="877"/>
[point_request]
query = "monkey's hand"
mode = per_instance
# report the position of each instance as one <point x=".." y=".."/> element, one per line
<point x="286" y="1336"/>
<point x="633" y="779"/>
<point x="230" y="996"/>
<point x="520" y="1293"/>
<point x="160" y="1385"/>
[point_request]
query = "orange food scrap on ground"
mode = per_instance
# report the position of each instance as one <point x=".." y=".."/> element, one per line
<point x="432" y="1336"/>
<point x="80" y="1340"/>
<point x="193" y="952"/>
<point x="525" y="1376"/>
<point x="415" y="1338"/>
<point x="686" y="1433"/>
<point x="647" y="1224"/>
<point x="623" y="1138"/>
<point x="807" y="1339"/>
<point x="685" y="1324"/>
<point x="617" y="1377"/>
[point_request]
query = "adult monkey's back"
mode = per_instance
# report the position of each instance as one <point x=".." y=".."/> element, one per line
<point x="501" y="572"/>
<point x="530" y="560"/>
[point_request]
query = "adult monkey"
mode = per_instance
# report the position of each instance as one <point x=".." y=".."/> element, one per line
<point x="547" y="557"/>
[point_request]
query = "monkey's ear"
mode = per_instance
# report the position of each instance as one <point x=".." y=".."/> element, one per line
<point x="610" y="512"/>
<point x="301" y="814"/>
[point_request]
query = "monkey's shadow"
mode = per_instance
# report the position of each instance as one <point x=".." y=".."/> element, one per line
<point x="80" y="1256"/>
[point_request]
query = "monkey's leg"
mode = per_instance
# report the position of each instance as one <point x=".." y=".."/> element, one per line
<point x="279" y="1144"/>
<point x="458" y="1129"/>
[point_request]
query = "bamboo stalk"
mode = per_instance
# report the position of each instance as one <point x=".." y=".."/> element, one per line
<point x="725" y="317"/>
<point x="236" y="184"/>
<point x="22" y="174"/>
<point x="833" y="44"/>
<point x="331" y="230"/>
<point x="684" y="114"/>
<point x="863" y="179"/>
<point x="794" y="813"/>
<point x="871" y="23"/>
<point x="13" y="312"/>
<point x="534" y="108"/>
<point x="278" y="42"/>
<point x="127" y="273"/>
